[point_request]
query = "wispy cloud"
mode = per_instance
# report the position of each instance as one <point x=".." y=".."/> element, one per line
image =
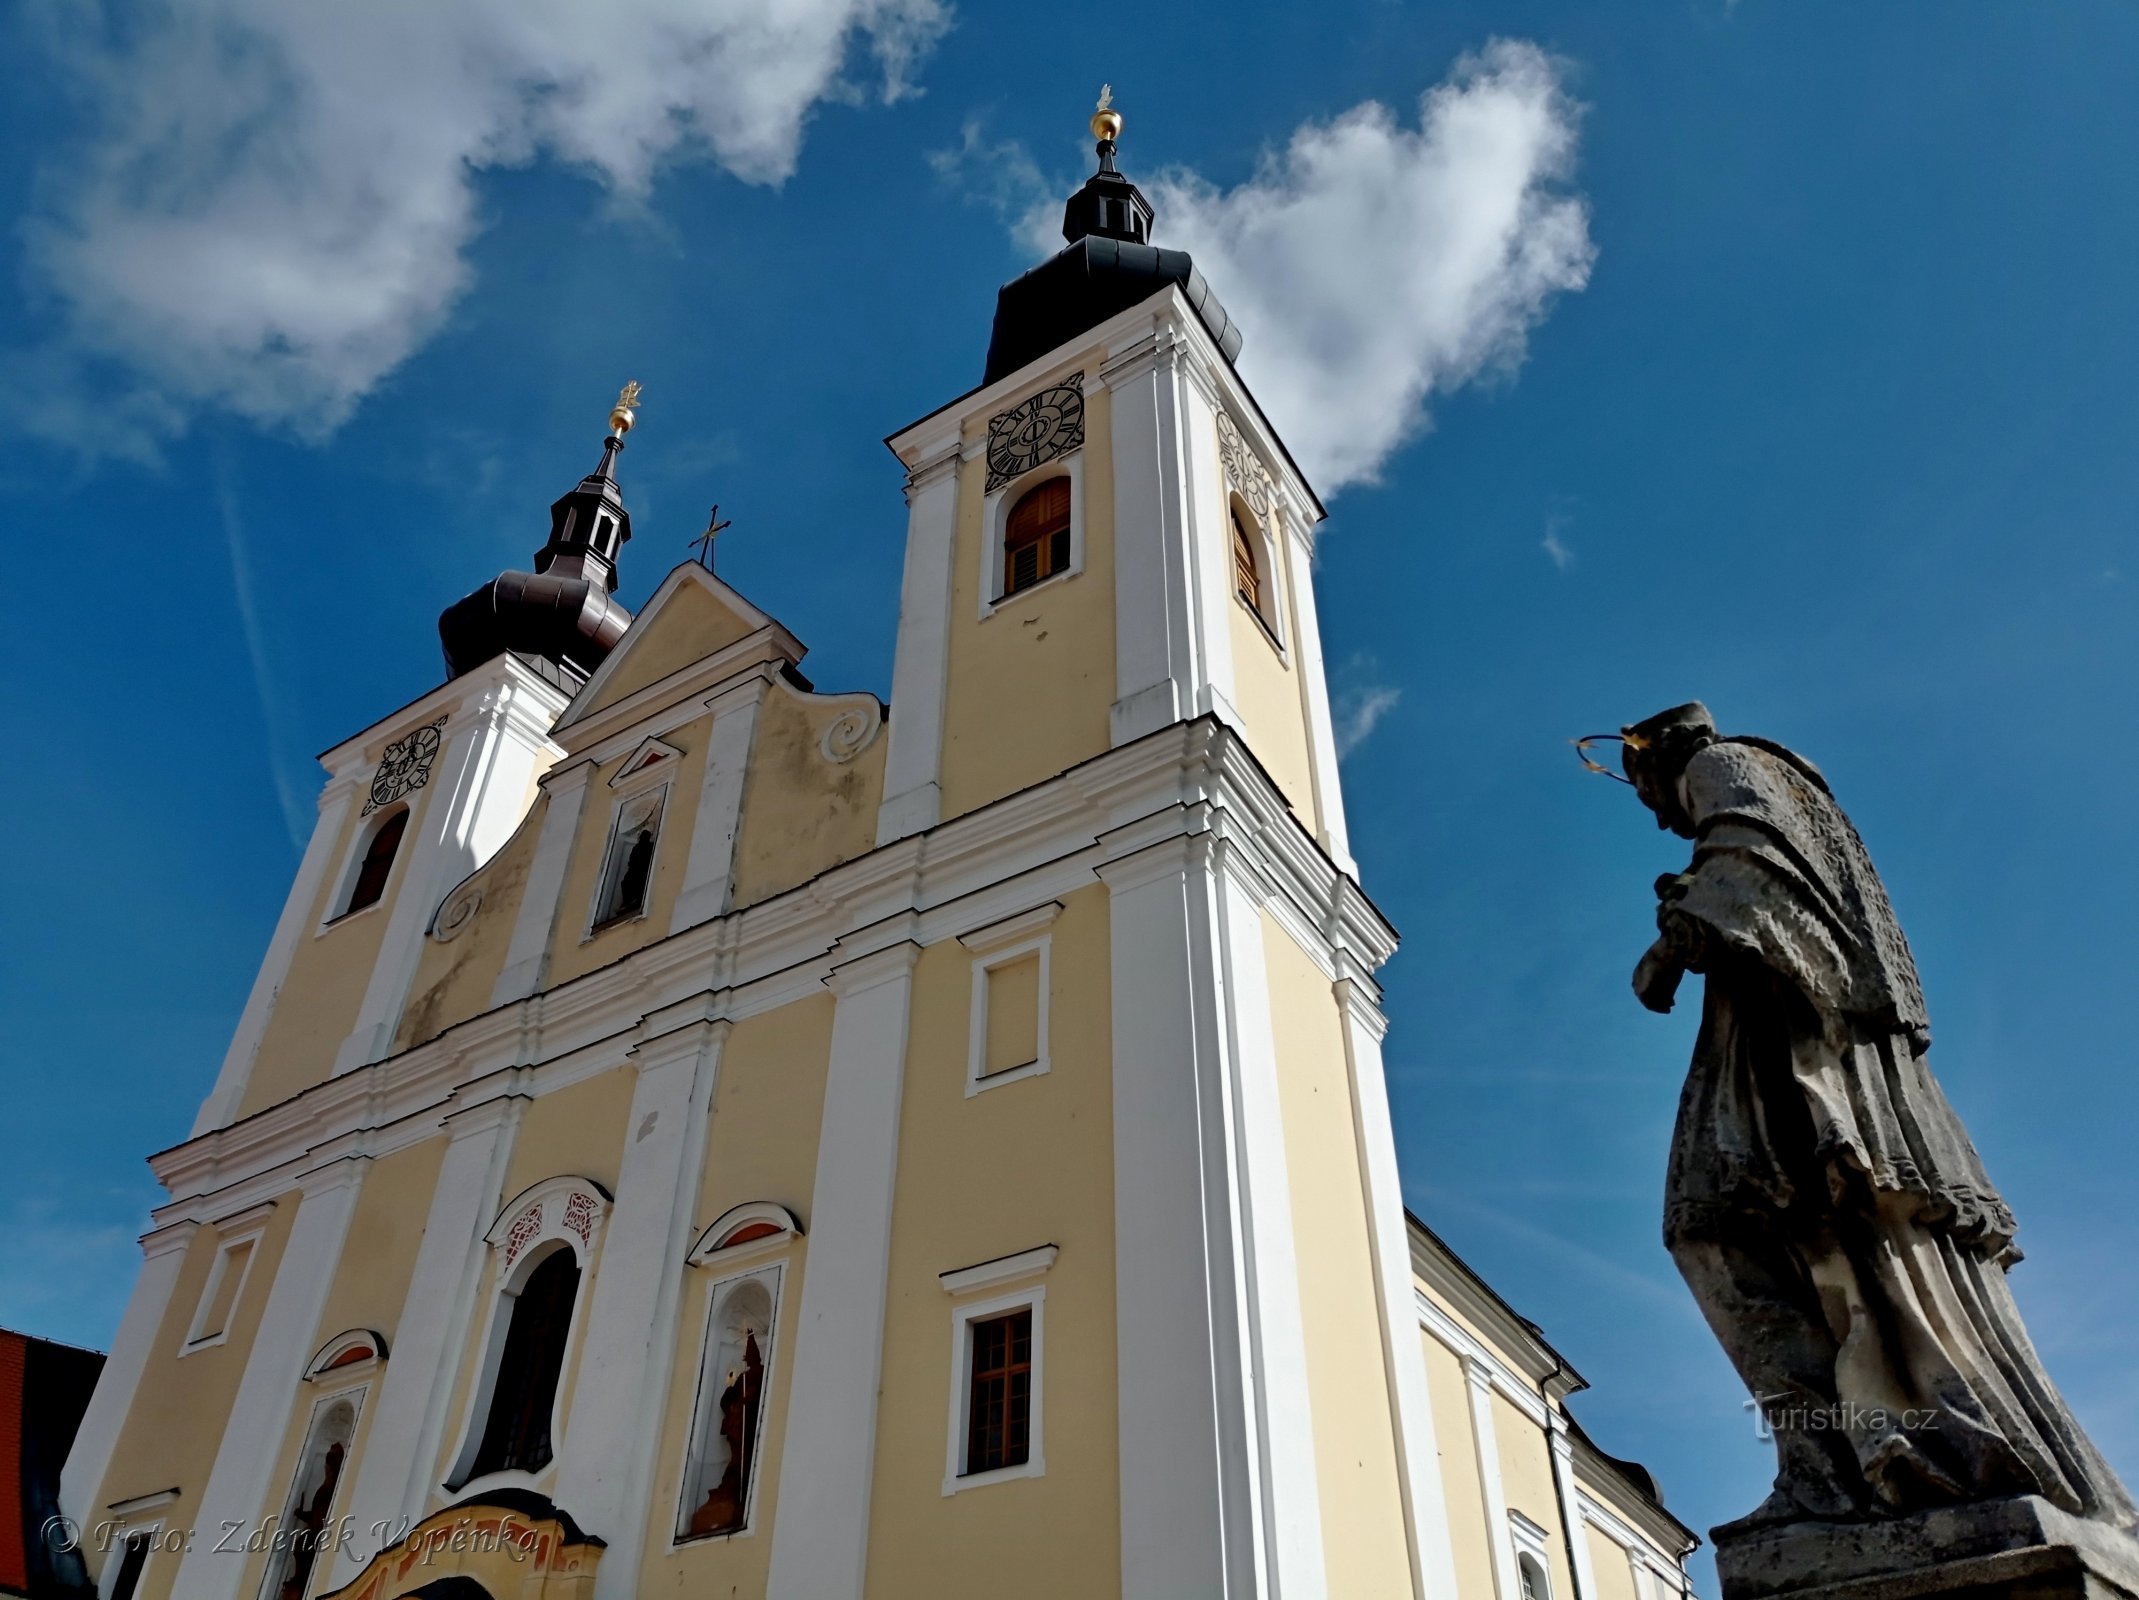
<point x="271" y="717"/>
<point x="1002" y="173"/>
<point x="275" y="202"/>
<point x="1358" y="703"/>
<point x="1553" y="545"/>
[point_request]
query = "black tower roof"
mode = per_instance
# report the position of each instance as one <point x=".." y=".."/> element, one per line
<point x="564" y="611"/>
<point x="1109" y="266"/>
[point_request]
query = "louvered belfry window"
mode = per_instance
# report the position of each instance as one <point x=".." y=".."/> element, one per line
<point x="1036" y="543"/>
<point x="1247" y="579"/>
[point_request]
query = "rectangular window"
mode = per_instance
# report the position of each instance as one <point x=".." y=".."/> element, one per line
<point x="999" y="1397"/>
<point x="219" y="1299"/>
<point x="627" y="868"/>
<point x="133" y="1558"/>
<point x="1013" y="1025"/>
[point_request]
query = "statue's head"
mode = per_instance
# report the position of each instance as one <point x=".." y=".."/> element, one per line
<point x="1655" y="751"/>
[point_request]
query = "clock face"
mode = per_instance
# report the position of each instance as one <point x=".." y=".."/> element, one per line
<point x="1048" y="425"/>
<point x="405" y="765"/>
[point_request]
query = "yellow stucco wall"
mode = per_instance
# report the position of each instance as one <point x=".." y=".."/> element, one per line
<point x="1526" y="1479"/>
<point x="453" y="980"/>
<point x="1458" y="1445"/>
<point x="1267" y="693"/>
<point x="1615" y="1578"/>
<point x="1031" y="684"/>
<point x="316" y="1007"/>
<point x="802" y="812"/>
<point x="1355" y="1440"/>
<point x="575" y="950"/>
<point x="1020" y="1165"/>
<point x="171" y="1434"/>
<point x="768" y="1100"/>
<point x="692" y="623"/>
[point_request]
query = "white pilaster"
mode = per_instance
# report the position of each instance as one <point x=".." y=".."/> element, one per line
<point x="1190" y="1491"/>
<point x="1563" y="1483"/>
<point x="1418" y="1457"/>
<point x="397" y="1468"/>
<point x="709" y="873"/>
<point x="605" y="1468"/>
<point x="821" y="1532"/>
<point x="298" y="914"/>
<point x="1332" y="832"/>
<point x="237" y="1491"/>
<point x="527" y="957"/>
<point x="1155" y="624"/>
<point x="496" y="741"/>
<point x="1507" y="1583"/>
<point x="1206" y="530"/>
<point x="920" y="670"/>
<point x="163" y="1254"/>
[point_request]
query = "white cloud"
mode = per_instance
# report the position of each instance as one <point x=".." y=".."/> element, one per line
<point x="274" y="204"/>
<point x="1358" y="712"/>
<point x="1553" y="545"/>
<point x="1373" y="265"/>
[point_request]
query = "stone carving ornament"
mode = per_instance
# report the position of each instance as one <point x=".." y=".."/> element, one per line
<point x="405" y="766"/>
<point x="1823" y="1201"/>
<point x="1036" y="431"/>
<point x="1243" y="468"/>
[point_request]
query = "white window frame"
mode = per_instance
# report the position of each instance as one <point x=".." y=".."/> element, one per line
<point x="1269" y="620"/>
<point x="1027" y="1264"/>
<point x="512" y="1266"/>
<point x="998" y="945"/>
<point x="244" y="1228"/>
<point x="115" y="1555"/>
<point x="1532" y="1541"/>
<point x="995" y="520"/>
<point x="353" y="863"/>
<point x="771" y="1275"/>
<point x="354" y="1395"/>
<point x="631" y="787"/>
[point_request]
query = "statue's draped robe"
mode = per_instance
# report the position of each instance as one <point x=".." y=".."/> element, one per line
<point x="1811" y="1132"/>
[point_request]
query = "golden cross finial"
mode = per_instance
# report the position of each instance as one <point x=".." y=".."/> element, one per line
<point x="1106" y="121"/>
<point x="624" y="414"/>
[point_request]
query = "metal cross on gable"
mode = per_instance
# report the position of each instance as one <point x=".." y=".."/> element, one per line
<point x="703" y="544"/>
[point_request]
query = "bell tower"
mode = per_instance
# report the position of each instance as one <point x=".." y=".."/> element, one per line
<point x="1178" y="582"/>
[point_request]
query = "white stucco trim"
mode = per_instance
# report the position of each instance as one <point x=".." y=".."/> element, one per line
<point x="163" y="1256"/>
<point x="1332" y="832"/>
<point x="712" y="1249"/>
<point x="913" y="763"/>
<point x="542" y="896"/>
<point x="1485" y="1437"/>
<point x="231" y="1233"/>
<point x="978" y="1077"/>
<point x="237" y="1488"/>
<point x="1003" y="1269"/>
<point x="771" y="1276"/>
<point x="956" y="1479"/>
<point x="1570" y="1498"/>
<point x="709" y="870"/>
<point x="820" y="1545"/>
<point x="994" y="521"/>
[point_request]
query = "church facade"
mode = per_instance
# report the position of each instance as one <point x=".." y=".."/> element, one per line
<point x="696" y="1134"/>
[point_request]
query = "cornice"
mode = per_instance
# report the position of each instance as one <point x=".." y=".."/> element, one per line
<point x="1180" y="788"/>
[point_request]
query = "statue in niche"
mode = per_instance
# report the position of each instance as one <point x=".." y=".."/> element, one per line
<point x="729" y="1498"/>
<point x="1823" y="1202"/>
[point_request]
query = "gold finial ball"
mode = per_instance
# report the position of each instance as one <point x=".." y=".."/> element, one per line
<point x="1106" y="126"/>
<point x="623" y="416"/>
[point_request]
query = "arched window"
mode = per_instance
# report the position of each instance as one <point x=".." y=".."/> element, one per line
<point x="310" y="1506"/>
<point x="1036" y="538"/>
<point x="516" y="1431"/>
<point x="542" y="1243"/>
<point x="729" y="1427"/>
<point x="370" y="882"/>
<point x="1532" y="1573"/>
<point x="1247" y="572"/>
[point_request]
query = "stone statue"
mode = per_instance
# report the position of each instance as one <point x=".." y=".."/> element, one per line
<point x="1823" y="1201"/>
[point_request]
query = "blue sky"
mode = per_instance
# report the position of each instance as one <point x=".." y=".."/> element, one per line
<point x="1802" y="383"/>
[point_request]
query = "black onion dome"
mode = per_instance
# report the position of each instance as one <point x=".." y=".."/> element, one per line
<point x="1109" y="266"/>
<point x="564" y="611"/>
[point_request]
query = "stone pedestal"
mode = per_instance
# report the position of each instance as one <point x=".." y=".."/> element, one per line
<point x="2018" y="1549"/>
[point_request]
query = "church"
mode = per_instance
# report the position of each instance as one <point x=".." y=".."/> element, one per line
<point x="694" y="1132"/>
